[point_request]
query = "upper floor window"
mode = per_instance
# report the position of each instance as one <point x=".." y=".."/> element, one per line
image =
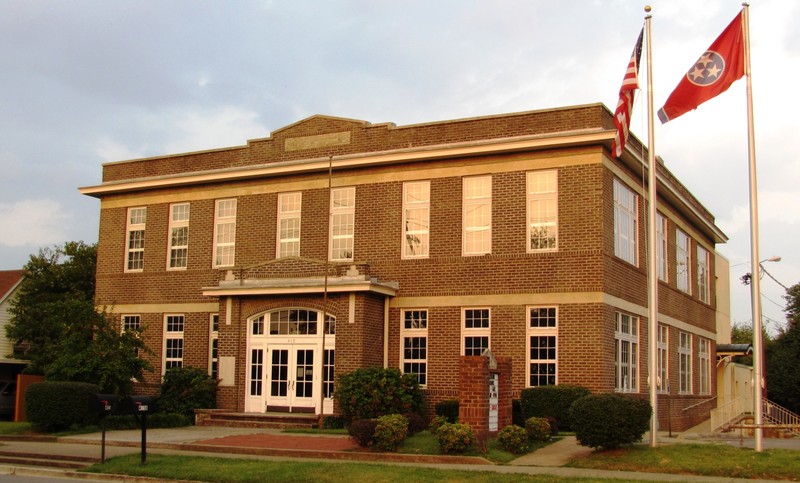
<point x="625" y="223"/>
<point x="661" y="246"/>
<point x="343" y="213"/>
<point x="289" y="210"/>
<point x="416" y="219"/>
<point x="178" y="255"/>
<point x="477" y="218"/>
<point x="703" y="275"/>
<point x="626" y="354"/>
<point x="225" y="233"/>
<point x="683" y="256"/>
<point x="134" y="249"/>
<point x="476" y="331"/>
<point x="542" y="197"/>
<point x="542" y="345"/>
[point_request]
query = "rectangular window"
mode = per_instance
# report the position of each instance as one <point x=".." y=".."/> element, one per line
<point x="289" y="210"/>
<point x="178" y="254"/>
<point x="477" y="218"/>
<point x="542" y="335"/>
<point x="328" y="372"/>
<point x="685" y="362"/>
<point x="414" y="333"/>
<point x="705" y="366"/>
<point x="225" y="233"/>
<point x="683" y="256"/>
<point x="625" y="223"/>
<point x="475" y="331"/>
<point x="213" y="347"/>
<point x="132" y="323"/>
<point x="703" y="275"/>
<point x="626" y="354"/>
<point x="173" y="341"/>
<point x="343" y="213"/>
<point x="663" y="358"/>
<point x="416" y="219"/>
<point x="542" y="200"/>
<point x="661" y="246"/>
<point x="134" y="249"/>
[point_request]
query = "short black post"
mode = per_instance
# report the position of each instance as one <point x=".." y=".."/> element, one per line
<point x="103" y="441"/>
<point x="144" y="438"/>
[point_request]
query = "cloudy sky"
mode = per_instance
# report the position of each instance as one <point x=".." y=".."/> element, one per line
<point x="87" y="82"/>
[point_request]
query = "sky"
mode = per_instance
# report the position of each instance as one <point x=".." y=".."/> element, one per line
<point x="88" y="82"/>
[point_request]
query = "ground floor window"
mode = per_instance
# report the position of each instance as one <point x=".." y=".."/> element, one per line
<point x="626" y="353"/>
<point x="476" y="331"/>
<point x="414" y="357"/>
<point x="705" y="366"/>
<point x="685" y="362"/>
<point x="173" y="341"/>
<point x="213" y="356"/>
<point x="542" y="346"/>
<point x="663" y="358"/>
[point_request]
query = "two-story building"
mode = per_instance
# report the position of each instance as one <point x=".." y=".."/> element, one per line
<point x="336" y="244"/>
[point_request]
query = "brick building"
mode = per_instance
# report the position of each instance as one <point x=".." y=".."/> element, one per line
<point x="518" y="233"/>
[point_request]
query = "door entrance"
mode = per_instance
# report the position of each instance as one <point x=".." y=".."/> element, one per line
<point x="291" y="379"/>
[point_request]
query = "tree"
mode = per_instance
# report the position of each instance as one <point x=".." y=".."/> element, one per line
<point x="793" y="305"/>
<point x="66" y="337"/>
<point x="783" y="372"/>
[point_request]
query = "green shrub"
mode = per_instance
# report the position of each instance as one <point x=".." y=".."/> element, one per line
<point x="390" y="431"/>
<point x="554" y="401"/>
<point x="436" y="423"/>
<point x="416" y="423"/>
<point x="154" y="420"/>
<point x="448" y="409"/>
<point x="609" y="421"/>
<point x="53" y="406"/>
<point x="362" y="431"/>
<point x="537" y="429"/>
<point x="513" y="439"/>
<point x="333" y="422"/>
<point x="186" y="389"/>
<point x="454" y="437"/>
<point x="372" y="392"/>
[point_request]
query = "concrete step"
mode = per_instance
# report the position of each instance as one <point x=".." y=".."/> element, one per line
<point x="46" y="460"/>
<point x="256" y="420"/>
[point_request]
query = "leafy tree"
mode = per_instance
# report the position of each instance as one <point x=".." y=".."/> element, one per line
<point x="793" y="305"/>
<point x="783" y="372"/>
<point x="742" y="333"/>
<point x="67" y="339"/>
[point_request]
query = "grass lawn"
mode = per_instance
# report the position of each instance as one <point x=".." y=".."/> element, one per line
<point x="200" y="468"/>
<point x="698" y="459"/>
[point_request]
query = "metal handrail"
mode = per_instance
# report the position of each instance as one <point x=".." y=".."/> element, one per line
<point x="730" y="411"/>
<point x="698" y="404"/>
<point x="779" y="415"/>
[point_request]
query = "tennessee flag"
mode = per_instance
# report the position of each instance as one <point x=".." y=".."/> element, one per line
<point x="622" y="114"/>
<point x="711" y="75"/>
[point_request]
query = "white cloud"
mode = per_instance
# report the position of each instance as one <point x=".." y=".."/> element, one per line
<point x="111" y="150"/>
<point x="34" y="223"/>
<point x="211" y="129"/>
<point x="774" y="207"/>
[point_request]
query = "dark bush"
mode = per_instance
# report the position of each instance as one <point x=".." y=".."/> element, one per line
<point x="554" y="401"/>
<point x="372" y="392"/>
<point x="362" y="431"/>
<point x="416" y="423"/>
<point x="513" y="439"/>
<point x="608" y="421"/>
<point x="333" y="422"/>
<point x="517" y="418"/>
<point x="448" y="409"/>
<point x="154" y="420"/>
<point x="553" y="425"/>
<point x="454" y="437"/>
<point x="186" y="389"/>
<point x="390" y="431"/>
<point x="538" y="429"/>
<point x="58" y="405"/>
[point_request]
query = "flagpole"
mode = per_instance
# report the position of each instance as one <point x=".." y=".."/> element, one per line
<point x="755" y="285"/>
<point x="652" y="269"/>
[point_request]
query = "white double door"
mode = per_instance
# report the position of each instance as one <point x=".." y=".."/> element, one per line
<point x="285" y="376"/>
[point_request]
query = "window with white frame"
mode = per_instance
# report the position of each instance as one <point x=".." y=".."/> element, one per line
<point x="414" y="333"/>
<point x="703" y="275"/>
<point x="289" y="211"/>
<point x="705" y="365"/>
<point x="626" y="354"/>
<point x="625" y="223"/>
<point x="343" y="213"/>
<point x="685" y="363"/>
<point x="213" y="347"/>
<point x="134" y="248"/>
<point x="173" y="341"/>
<point x="661" y="246"/>
<point x="663" y="357"/>
<point x="683" y="256"/>
<point x="477" y="218"/>
<point x="225" y="233"/>
<point x="132" y="323"/>
<point x="178" y="255"/>
<point x="475" y="331"/>
<point x="542" y="197"/>
<point x="542" y="346"/>
<point x="416" y="219"/>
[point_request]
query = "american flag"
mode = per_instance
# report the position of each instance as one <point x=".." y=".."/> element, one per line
<point x="622" y="115"/>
